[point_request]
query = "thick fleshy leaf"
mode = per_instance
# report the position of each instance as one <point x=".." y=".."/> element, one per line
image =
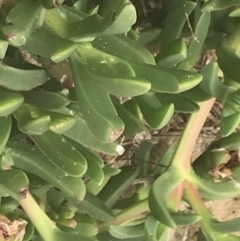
<point x="124" y="48"/>
<point x="231" y="105"/>
<point x="161" y="80"/>
<point x="181" y="104"/>
<point x="60" y="123"/>
<point x="208" y="161"/>
<point x="186" y="79"/>
<point x="229" y="124"/>
<point x="95" y="105"/>
<point x="28" y="158"/>
<point x="151" y="228"/>
<point x="15" y="78"/>
<point x="6" y="125"/>
<point x="9" y="101"/>
<point x="109" y="171"/>
<point x="117" y="185"/>
<point x="107" y="236"/>
<point x="21" y="20"/>
<point x="175" y="21"/>
<point x="3" y="46"/>
<point x="86" y="226"/>
<point x="13" y="183"/>
<point x="235" y="12"/>
<point x="111" y="73"/>
<point x="95" y="207"/>
<point x="158" y="197"/>
<point x="123" y="232"/>
<point x="142" y="156"/>
<point x="37" y="185"/>
<point x="172" y="54"/>
<point x="61" y="153"/>
<point x="155" y="114"/>
<point x="85" y="137"/>
<point x="117" y="18"/>
<point x="130" y="114"/>
<point x="31" y="120"/>
<point x="228" y="56"/>
<point x="211" y="83"/>
<point x="50" y="46"/>
<point x="196" y="94"/>
<point x="196" y="44"/>
<point x="94" y="163"/>
<point x="230" y="142"/>
<point x="215" y="5"/>
<point x="166" y="158"/>
<point x="45" y="100"/>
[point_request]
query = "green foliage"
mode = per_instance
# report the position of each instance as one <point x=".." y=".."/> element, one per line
<point x="76" y="79"/>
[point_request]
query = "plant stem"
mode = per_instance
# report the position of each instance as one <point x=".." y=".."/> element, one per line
<point x="128" y="214"/>
<point x="182" y="156"/>
<point x="41" y="221"/>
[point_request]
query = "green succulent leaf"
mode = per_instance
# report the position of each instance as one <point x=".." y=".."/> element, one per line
<point x="181" y="104"/>
<point x="175" y="21"/>
<point x="142" y="156"/>
<point x="166" y="158"/>
<point x="86" y="225"/>
<point x="155" y="114"/>
<point x="211" y="83"/>
<point x="107" y="236"/>
<point x="208" y="161"/>
<point x="151" y="227"/>
<point x="228" y="56"/>
<point x="229" y="124"/>
<point x="45" y="100"/>
<point x="50" y="46"/>
<point x="117" y="185"/>
<point x="8" y="205"/>
<point x="31" y="120"/>
<point x="60" y="123"/>
<point x="131" y="115"/>
<point x="94" y="163"/>
<point x="231" y="105"/>
<point x="215" y="5"/>
<point x="6" y="126"/>
<point x="85" y="137"/>
<point x="21" y="79"/>
<point x="235" y="12"/>
<point x="61" y="153"/>
<point x="22" y="20"/>
<point x="13" y="183"/>
<point x="157" y="77"/>
<point x="95" y="105"/>
<point x="230" y="142"/>
<point x="123" y="232"/>
<point x="95" y="207"/>
<point x="112" y="74"/>
<point x="196" y="44"/>
<point x="23" y="156"/>
<point x="124" y="48"/>
<point x="196" y="94"/>
<point x="9" y="101"/>
<point x="3" y="46"/>
<point x="161" y="189"/>
<point x="172" y="54"/>
<point x="117" y="19"/>
<point x="186" y="79"/>
<point x="229" y="226"/>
